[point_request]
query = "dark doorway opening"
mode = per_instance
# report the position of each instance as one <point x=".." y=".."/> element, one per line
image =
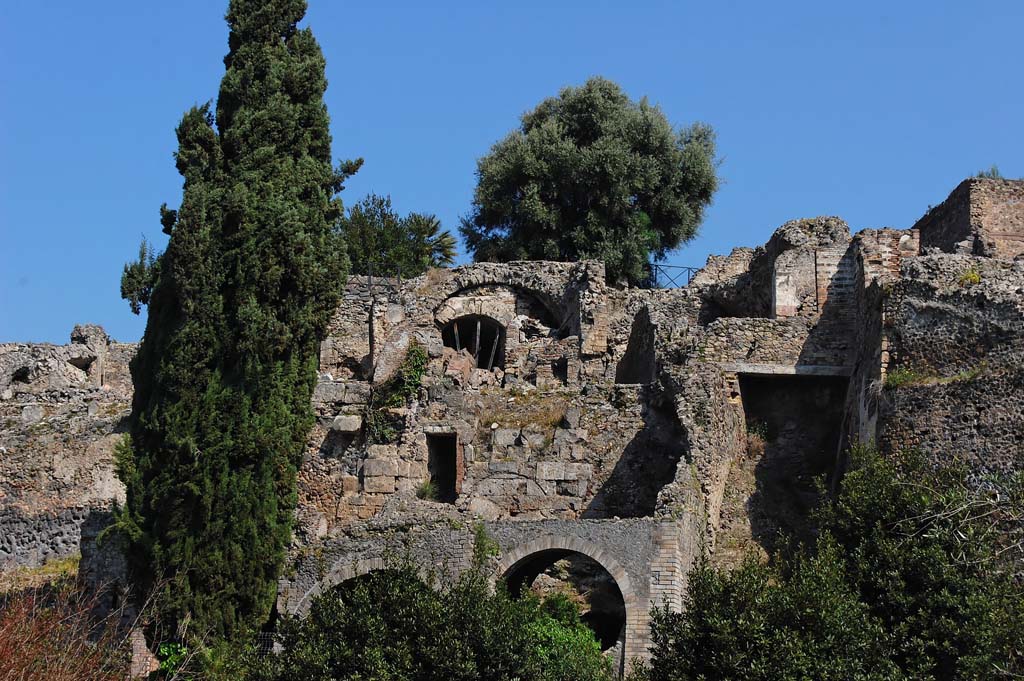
<point x="482" y="337"/>
<point x="442" y="465"/>
<point x="793" y="427"/>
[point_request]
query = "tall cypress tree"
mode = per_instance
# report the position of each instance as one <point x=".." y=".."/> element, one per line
<point x="241" y="299"/>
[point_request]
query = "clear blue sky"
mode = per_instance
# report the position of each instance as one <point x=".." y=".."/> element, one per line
<point x="867" y="110"/>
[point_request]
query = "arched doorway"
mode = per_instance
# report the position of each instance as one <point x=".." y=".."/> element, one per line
<point x="580" y="578"/>
<point x="613" y="610"/>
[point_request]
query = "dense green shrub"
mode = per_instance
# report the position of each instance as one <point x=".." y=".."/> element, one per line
<point x="915" y="575"/>
<point x="389" y="625"/>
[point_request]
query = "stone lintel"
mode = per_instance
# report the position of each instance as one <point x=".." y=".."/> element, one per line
<point x="786" y="369"/>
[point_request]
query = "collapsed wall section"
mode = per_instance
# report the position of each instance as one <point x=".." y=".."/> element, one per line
<point x="61" y="411"/>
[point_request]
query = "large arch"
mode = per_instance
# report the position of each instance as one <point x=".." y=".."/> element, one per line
<point x="341" y="572"/>
<point x="636" y="608"/>
<point x="554" y="290"/>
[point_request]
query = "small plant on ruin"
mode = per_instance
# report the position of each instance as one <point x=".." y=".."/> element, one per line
<point x="755" y="445"/>
<point x="971" y="277"/>
<point x="969" y="374"/>
<point x="901" y="377"/>
<point x="427" y="491"/>
<point x="757" y="437"/>
<point x="381" y="426"/>
<point x="991" y="174"/>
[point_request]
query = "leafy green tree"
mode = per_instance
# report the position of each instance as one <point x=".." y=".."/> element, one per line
<point x="764" y="623"/>
<point x="382" y="243"/>
<point x="592" y="174"/>
<point x="226" y="368"/>
<point x="915" y="575"/>
<point x="936" y="556"/>
<point x="436" y="247"/>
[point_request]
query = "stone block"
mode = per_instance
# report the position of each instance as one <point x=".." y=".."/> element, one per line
<point x="380" y="467"/>
<point x="328" y="392"/>
<point x="32" y="413"/>
<point x="551" y="470"/>
<point x="408" y="484"/>
<point x="382" y="452"/>
<point x="484" y="509"/>
<point x="504" y="437"/>
<point x="380" y="484"/>
<point x="349" y="483"/>
<point x="578" y="471"/>
<point x="500" y="467"/>
<point x="347" y="423"/>
<point x="537" y="440"/>
<point x="356" y="392"/>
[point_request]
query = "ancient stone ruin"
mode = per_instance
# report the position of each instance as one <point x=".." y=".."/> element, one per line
<point x="603" y="437"/>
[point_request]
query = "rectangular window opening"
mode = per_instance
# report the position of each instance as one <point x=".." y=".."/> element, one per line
<point x="442" y="465"/>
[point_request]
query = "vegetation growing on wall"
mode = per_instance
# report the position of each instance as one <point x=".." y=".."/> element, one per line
<point x="382" y="427"/>
<point x="592" y="174"/>
<point x="225" y="371"/>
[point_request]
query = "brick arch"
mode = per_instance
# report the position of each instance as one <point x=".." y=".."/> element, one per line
<point x="636" y="608"/>
<point x="551" y="296"/>
<point x="512" y="559"/>
<point x="341" y="572"/>
<point x="455" y="308"/>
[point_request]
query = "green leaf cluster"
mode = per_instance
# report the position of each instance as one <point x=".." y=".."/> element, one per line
<point x="390" y="625"/>
<point x="382" y="243"/>
<point x="226" y="368"/>
<point x="592" y="174"/>
<point x="140" y="276"/>
<point x="381" y="426"/>
<point x="915" y="575"/>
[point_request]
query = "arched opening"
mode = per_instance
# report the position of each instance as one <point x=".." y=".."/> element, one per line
<point x="584" y="581"/>
<point x="480" y="336"/>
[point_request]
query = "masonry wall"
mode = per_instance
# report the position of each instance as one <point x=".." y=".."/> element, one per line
<point x="614" y="422"/>
<point x="955" y="327"/>
<point x="61" y="411"/>
<point x="982" y="216"/>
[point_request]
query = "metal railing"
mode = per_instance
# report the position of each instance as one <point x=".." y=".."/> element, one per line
<point x="670" y="276"/>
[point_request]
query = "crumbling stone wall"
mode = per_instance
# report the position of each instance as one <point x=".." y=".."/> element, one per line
<point x="982" y="216"/>
<point x="61" y="409"/>
<point x="955" y="327"/>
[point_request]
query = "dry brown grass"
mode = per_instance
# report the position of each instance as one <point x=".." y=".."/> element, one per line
<point x="755" y="444"/>
<point x="48" y="634"/>
<point x="52" y="571"/>
<point x="533" y="410"/>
